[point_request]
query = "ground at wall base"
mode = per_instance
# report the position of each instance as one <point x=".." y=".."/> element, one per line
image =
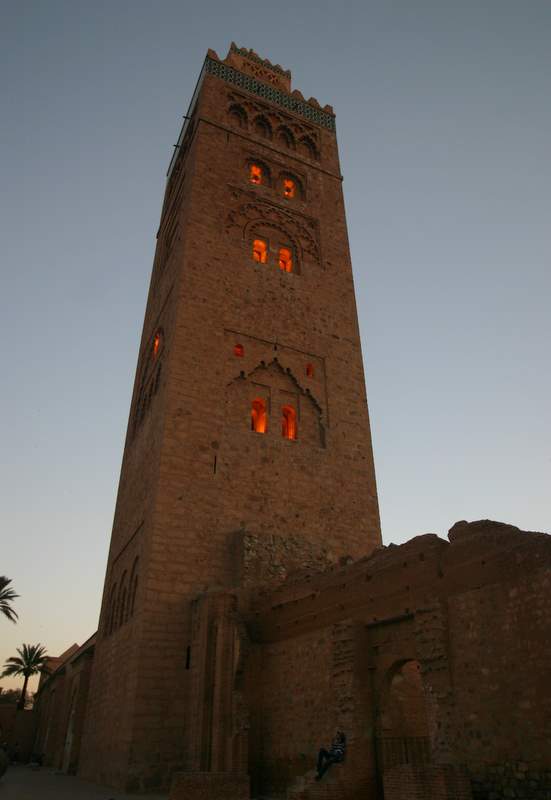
<point x="24" y="783"/>
<point x="210" y="786"/>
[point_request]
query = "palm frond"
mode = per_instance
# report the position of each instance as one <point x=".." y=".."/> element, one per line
<point x="7" y="596"/>
<point x="15" y="660"/>
<point x="31" y="660"/>
<point x="12" y="669"/>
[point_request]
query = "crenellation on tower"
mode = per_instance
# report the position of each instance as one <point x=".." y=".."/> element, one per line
<point x="262" y="69"/>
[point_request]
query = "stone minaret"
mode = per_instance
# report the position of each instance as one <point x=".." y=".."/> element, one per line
<point x="249" y="410"/>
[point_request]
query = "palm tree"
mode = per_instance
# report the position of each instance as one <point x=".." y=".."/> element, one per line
<point x="7" y="595"/>
<point x="31" y="660"/>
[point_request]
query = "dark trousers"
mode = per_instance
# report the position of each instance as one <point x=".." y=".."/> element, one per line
<point x="325" y="759"/>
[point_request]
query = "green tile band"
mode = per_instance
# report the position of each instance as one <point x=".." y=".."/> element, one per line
<point x="300" y="107"/>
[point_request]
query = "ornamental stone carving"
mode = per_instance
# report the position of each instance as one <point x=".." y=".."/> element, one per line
<point x="301" y="229"/>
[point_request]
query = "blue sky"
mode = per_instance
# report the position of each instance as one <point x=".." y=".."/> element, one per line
<point x="444" y="124"/>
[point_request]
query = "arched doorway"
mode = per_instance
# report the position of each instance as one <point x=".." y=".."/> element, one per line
<point x="402" y="731"/>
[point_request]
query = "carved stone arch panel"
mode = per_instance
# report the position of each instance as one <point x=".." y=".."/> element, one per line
<point x="275" y="366"/>
<point x="307" y="147"/>
<point x="300" y="229"/>
<point x="262" y="126"/>
<point x="276" y="236"/>
<point x="277" y="387"/>
<point x="275" y="118"/>
<point x="238" y="116"/>
<point x="285" y="136"/>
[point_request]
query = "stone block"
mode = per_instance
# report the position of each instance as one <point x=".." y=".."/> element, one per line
<point x="210" y="786"/>
<point x="427" y="782"/>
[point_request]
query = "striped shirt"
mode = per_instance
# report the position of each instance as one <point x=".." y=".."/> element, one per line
<point x="338" y="746"/>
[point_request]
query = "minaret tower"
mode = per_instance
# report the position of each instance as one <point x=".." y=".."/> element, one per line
<point x="249" y="410"/>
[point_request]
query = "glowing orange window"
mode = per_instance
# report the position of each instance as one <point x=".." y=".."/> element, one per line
<point x="157" y="339"/>
<point x="309" y="370"/>
<point x="259" y="417"/>
<point x="260" y="251"/>
<point x="255" y="174"/>
<point x="288" y="187"/>
<point x="239" y="350"/>
<point x="288" y="422"/>
<point x="285" y="259"/>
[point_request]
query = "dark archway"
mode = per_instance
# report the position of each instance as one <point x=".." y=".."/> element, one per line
<point x="402" y="729"/>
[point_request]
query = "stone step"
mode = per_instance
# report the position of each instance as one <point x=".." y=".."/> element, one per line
<point x="332" y="787"/>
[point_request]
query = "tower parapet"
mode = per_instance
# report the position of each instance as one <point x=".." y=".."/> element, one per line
<point x="260" y="68"/>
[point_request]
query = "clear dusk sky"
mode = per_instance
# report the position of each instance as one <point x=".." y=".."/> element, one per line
<point x="444" y="126"/>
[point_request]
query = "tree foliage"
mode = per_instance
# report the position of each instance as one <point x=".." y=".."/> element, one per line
<point x="7" y="596"/>
<point x="9" y="697"/>
<point x="32" y="660"/>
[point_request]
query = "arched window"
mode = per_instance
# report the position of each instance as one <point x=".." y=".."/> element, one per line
<point x="239" y="350"/>
<point x="260" y="251"/>
<point x="286" y="138"/>
<point x="262" y="128"/>
<point x="238" y="116"/>
<point x="285" y="259"/>
<point x="256" y="174"/>
<point x="288" y="422"/>
<point x="157" y="343"/>
<point x="289" y="188"/>
<point x="307" y="148"/>
<point x="259" y="417"/>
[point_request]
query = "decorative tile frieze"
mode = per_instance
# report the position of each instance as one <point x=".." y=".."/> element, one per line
<point x="300" y="107"/>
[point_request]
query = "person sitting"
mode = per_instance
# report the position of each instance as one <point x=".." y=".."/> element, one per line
<point x="335" y="754"/>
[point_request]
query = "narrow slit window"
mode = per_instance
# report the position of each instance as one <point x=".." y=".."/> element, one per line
<point x="260" y="251"/>
<point x="309" y="370"/>
<point x="157" y="340"/>
<point x="289" y="188"/>
<point x="255" y="174"/>
<point x="259" y="416"/>
<point x="288" y="422"/>
<point x="285" y="259"/>
<point x="239" y="350"/>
